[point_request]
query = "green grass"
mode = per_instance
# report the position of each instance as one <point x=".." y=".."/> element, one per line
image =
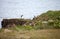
<point x="18" y="27"/>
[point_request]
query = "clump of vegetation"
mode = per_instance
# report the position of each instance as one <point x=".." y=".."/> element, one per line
<point x="47" y="20"/>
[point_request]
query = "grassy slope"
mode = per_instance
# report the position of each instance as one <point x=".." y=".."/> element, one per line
<point x="49" y="15"/>
<point x="32" y="34"/>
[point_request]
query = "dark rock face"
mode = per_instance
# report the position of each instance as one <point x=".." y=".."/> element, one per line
<point x="12" y="22"/>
